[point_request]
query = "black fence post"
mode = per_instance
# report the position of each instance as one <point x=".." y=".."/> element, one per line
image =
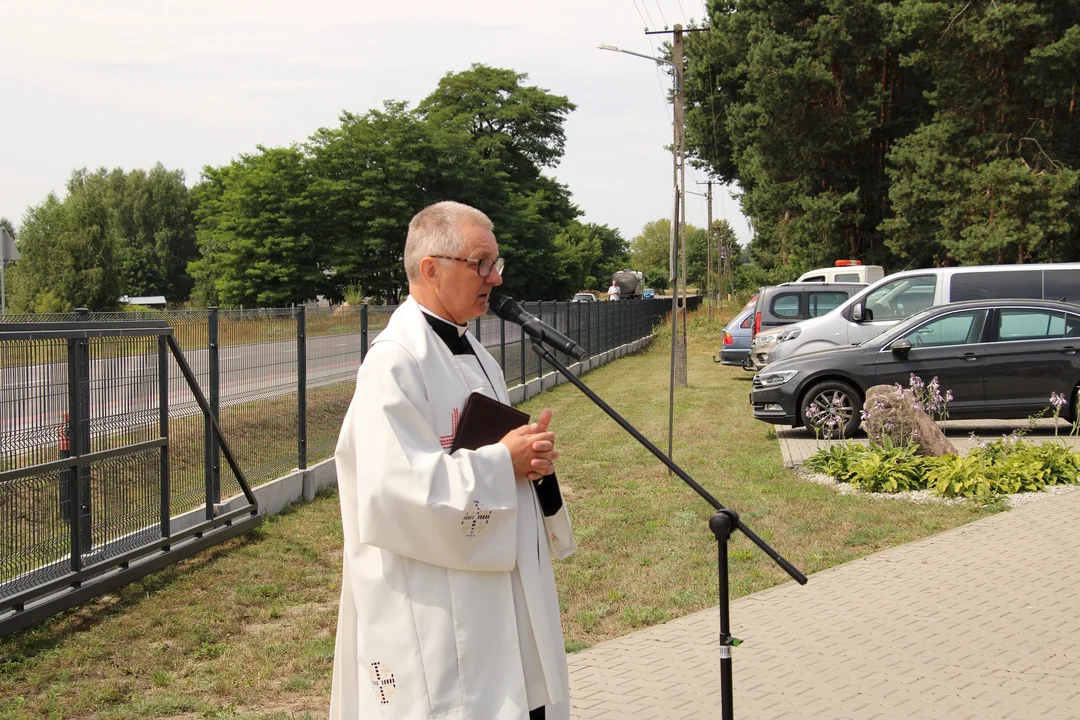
<point x="588" y="330"/>
<point x="620" y="313"/>
<point x="363" y="332"/>
<point x="566" y="319"/>
<point x="521" y="337"/>
<point x="540" y="360"/>
<point x="301" y="386"/>
<point x="86" y="528"/>
<point x="213" y="451"/>
<point x="79" y="410"/>
<point x="577" y="312"/>
<point x="502" y="346"/>
<point x="601" y="315"/>
<point x="620" y="322"/>
<point x="163" y="431"/>
<point x="71" y="476"/>
<point x="605" y="316"/>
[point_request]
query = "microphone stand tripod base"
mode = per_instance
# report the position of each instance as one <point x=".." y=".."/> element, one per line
<point x="722" y="524"/>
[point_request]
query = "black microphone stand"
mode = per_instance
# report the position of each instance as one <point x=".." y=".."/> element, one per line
<point x="722" y="524"/>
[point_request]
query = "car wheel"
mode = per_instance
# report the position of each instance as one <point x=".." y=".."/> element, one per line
<point x="831" y="409"/>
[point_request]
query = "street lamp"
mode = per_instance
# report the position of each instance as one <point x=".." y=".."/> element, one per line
<point x="658" y="61"/>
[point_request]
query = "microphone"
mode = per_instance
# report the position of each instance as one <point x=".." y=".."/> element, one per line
<point x="507" y="308"/>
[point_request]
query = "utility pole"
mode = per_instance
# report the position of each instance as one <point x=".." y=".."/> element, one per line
<point x="680" y="140"/>
<point x="708" y="252"/>
<point x="679" y="152"/>
<point x="8" y="251"/>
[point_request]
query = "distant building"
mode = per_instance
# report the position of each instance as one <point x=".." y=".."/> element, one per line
<point x="154" y="301"/>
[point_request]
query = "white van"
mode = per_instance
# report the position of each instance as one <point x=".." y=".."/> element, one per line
<point x="903" y="294"/>
<point x="846" y="271"/>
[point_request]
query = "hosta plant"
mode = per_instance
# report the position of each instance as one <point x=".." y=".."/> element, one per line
<point x="889" y="468"/>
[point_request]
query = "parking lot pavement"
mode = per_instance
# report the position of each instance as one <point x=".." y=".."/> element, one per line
<point x="979" y="622"/>
<point x="797" y="444"/>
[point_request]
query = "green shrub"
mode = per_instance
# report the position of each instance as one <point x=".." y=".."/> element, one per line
<point x="836" y="460"/>
<point x="958" y="476"/>
<point x="1003" y="467"/>
<point x="1063" y="464"/>
<point x="889" y="468"/>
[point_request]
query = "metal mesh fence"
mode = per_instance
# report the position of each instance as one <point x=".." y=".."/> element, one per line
<point x="87" y="476"/>
<point x="279" y="394"/>
<point x="333" y="344"/>
<point x="258" y="387"/>
<point x="67" y="396"/>
<point x="125" y="502"/>
<point x="33" y="538"/>
<point x="33" y="401"/>
<point x="38" y="317"/>
<point x="33" y="431"/>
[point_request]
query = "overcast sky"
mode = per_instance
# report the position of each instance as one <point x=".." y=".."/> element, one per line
<point x="127" y="83"/>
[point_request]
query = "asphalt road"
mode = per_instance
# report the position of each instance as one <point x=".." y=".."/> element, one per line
<point x="124" y="389"/>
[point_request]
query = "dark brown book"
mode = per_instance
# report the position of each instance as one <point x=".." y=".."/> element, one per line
<point x="485" y="422"/>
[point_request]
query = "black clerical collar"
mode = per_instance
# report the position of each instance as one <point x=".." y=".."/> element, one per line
<point x="451" y="334"/>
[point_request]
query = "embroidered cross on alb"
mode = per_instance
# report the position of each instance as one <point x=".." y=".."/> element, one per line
<point x="447" y="441"/>
<point x="382" y="682"/>
<point x="476" y="519"/>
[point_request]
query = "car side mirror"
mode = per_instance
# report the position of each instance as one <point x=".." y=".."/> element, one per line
<point x="901" y="347"/>
<point x="857" y="312"/>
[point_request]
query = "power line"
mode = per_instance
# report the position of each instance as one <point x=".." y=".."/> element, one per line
<point x="639" y="13"/>
<point x="661" y="13"/>
<point x="647" y="13"/>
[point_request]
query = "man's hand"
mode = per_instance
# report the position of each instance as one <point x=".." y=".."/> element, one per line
<point x="532" y="448"/>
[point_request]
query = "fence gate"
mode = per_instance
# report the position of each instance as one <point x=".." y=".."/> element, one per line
<point x="86" y="458"/>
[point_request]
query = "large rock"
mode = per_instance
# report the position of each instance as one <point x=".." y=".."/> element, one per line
<point x="893" y="412"/>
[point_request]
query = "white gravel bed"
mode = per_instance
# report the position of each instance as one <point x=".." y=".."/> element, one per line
<point x="925" y="496"/>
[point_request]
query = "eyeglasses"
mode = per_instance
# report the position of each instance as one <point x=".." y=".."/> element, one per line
<point x="483" y="265"/>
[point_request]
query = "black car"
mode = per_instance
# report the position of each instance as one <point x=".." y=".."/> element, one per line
<point x="1000" y="359"/>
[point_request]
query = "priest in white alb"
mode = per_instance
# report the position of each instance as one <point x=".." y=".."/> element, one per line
<point x="448" y="602"/>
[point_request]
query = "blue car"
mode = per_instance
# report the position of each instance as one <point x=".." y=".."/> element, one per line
<point x="648" y="294"/>
<point x="737" y="336"/>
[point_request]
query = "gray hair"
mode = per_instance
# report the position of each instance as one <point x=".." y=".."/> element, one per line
<point x="436" y="230"/>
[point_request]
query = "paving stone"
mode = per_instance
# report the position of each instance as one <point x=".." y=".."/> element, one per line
<point x="981" y="622"/>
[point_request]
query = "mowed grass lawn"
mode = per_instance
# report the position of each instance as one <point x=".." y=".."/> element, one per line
<point x="246" y="630"/>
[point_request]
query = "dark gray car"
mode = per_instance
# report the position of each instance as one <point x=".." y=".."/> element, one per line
<point x="1000" y="358"/>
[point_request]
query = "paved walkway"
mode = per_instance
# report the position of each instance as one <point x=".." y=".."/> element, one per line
<point x="797" y="444"/>
<point x="982" y="621"/>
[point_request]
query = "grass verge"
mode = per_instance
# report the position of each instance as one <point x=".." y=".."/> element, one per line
<point x="246" y="630"/>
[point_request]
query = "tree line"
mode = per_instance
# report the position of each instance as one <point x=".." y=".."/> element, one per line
<point x="904" y="133"/>
<point x="327" y="217"/>
<point x="650" y="252"/>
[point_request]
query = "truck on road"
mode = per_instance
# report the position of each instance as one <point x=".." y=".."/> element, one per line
<point x="631" y="284"/>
